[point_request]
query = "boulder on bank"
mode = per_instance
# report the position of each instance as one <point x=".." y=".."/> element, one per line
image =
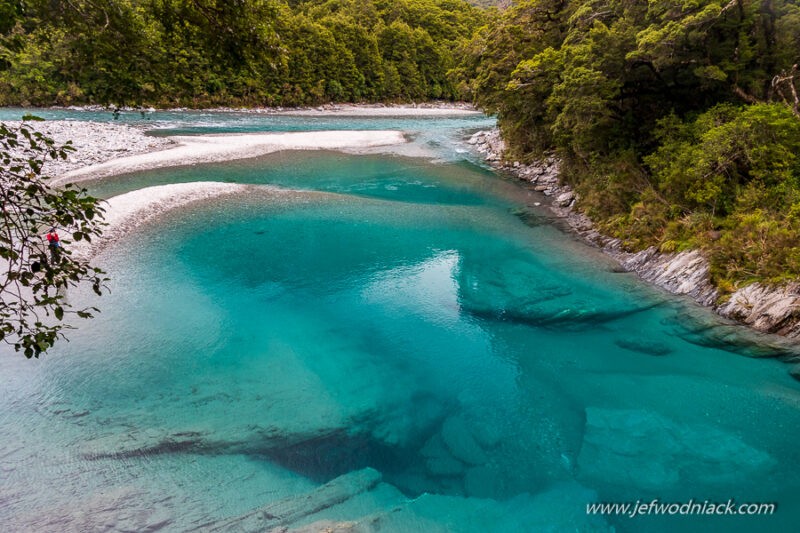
<point x="564" y="199"/>
<point x="681" y="273"/>
<point x="490" y="143"/>
<point x="767" y="309"/>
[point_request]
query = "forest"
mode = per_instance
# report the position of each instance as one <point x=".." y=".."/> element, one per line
<point x="677" y="121"/>
<point x="200" y="53"/>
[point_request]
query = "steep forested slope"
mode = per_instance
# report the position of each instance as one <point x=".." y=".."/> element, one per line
<point x="242" y="52"/>
<point x="677" y="120"/>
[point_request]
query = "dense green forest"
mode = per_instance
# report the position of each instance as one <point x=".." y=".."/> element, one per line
<point x="237" y="52"/>
<point x="677" y="121"/>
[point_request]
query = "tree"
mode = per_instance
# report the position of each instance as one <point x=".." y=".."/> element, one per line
<point x="676" y="122"/>
<point x="33" y="282"/>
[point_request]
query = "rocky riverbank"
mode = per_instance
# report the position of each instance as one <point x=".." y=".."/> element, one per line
<point x="94" y="142"/>
<point x="766" y="309"/>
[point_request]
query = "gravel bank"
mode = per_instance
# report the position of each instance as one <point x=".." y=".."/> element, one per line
<point x="94" y="142"/>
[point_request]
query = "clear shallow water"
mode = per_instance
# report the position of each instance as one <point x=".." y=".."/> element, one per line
<point x="497" y="374"/>
<point x="188" y="122"/>
<point x="397" y="178"/>
<point x="442" y="135"/>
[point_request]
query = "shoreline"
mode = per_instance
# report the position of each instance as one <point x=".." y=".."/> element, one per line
<point x="125" y="212"/>
<point x="94" y="143"/>
<point x="359" y="110"/>
<point x="99" y="142"/>
<point x="190" y="150"/>
<point x="773" y="310"/>
<point x="129" y="211"/>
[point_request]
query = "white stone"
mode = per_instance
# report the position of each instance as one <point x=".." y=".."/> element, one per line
<point x="564" y="199"/>
<point x="770" y="309"/>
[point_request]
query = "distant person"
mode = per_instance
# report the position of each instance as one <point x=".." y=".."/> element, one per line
<point x="54" y="244"/>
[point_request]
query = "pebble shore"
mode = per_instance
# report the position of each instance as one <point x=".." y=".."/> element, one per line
<point x="94" y="142"/>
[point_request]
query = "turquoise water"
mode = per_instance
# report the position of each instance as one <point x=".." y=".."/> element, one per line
<point x="442" y="134"/>
<point x="423" y="320"/>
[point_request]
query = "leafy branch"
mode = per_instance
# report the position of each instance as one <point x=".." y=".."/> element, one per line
<point x="33" y="282"/>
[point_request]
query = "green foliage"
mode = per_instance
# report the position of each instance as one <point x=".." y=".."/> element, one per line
<point x="702" y="165"/>
<point x="249" y="52"/>
<point x="10" y="12"/>
<point x="677" y="122"/>
<point x="758" y="246"/>
<point x="33" y="281"/>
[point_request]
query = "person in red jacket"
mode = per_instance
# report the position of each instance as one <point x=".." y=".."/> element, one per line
<point x="54" y="244"/>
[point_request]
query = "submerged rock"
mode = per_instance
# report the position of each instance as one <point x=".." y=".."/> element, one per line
<point x="531" y="218"/>
<point x="485" y="482"/>
<point x="645" y="346"/>
<point x="143" y="443"/>
<point x="563" y="317"/>
<point x="559" y="508"/>
<point x="461" y="443"/>
<point x="294" y="509"/>
<point x="438" y="459"/>
<point x="711" y="333"/>
<point x="444" y="466"/>
<point x="119" y="509"/>
<point x="642" y="449"/>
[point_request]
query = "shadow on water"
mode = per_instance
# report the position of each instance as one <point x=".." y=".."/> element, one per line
<point x="324" y="458"/>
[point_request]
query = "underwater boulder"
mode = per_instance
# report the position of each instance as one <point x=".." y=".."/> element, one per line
<point x="295" y="508"/>
<point x="438" y="459"/>
<point x="643" y="449"/>
<point x="559" y="508"/>
<point x="644" y="346"/>
<point x="461" y="443"/>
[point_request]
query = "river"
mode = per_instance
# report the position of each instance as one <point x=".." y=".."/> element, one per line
<point x="411" y="318"/>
